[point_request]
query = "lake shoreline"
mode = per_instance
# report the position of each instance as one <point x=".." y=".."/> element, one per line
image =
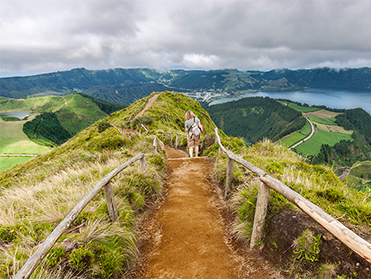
<point x="334" y="99"/>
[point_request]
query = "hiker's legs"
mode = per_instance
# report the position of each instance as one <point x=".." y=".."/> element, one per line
<point x="191" y="151"/>
<point x="196" y="150"/>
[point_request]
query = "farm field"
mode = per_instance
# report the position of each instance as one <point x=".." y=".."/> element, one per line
<point x="14" y="141"/>
<point x="9" y="162"/>
<point x="313" y="146"/>
<point x="295" y="137"/>
<point x="299" y="108"/>
<point x="327" y="131"/>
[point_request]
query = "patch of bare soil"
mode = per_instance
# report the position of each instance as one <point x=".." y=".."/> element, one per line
<point x="323" y="113"/>
<point x="186" y="235"/>
<point x="288" y="225"/>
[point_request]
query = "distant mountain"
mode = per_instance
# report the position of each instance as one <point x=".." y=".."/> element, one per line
<point x="124" y="86"/>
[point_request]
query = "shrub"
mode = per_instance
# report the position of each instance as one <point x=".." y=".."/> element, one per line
<point x="307" y="246"/>
<point x="7" y="234"/>
<point x="103" y="125"/>
<point x="81" y="258"/>
<point x="55" y="256"/>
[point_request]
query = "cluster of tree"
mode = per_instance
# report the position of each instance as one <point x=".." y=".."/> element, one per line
<point x="356" y="120"/>
<point x="45" y="129"/>
<point x="256" y="118"/>
<point x="9" y="118"/>
<point x="347" y="152"/>
<point x="118" y="84"/>
<point x="314" y="106"/>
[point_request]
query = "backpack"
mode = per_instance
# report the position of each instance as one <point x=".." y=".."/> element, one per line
<point x="195" y="129"/>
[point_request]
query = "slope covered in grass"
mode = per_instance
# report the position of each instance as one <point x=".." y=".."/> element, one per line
<point x="318" y="184"/>
<point x="256" y="118"/>
<point x="35" y="196"/>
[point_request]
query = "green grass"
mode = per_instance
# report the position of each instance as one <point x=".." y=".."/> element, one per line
<point x="35" y="196"/>
<point x="13" y="140"/>
<point x="291" y="139"/>
<point x="362" y="170"/>
<point x="296" y="136"/>
<point x="325" y="121"/>
<point x="299" y="108"/>
<point x="9" y="162"/>
<point x="313" y="146"/>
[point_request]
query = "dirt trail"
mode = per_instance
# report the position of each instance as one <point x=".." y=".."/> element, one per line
<point x="186" y="237"/>
<point x="148" y="105"/>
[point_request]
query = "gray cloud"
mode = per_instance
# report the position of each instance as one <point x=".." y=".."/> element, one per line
<point x="43" y="35"/>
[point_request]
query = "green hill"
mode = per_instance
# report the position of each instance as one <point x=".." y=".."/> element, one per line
<point x="54" y="120"/>
<point x="61" y="116"/>
<point x="125" y="86"/>
<point x="256" y="118"/>
<point x="35" y="196"/>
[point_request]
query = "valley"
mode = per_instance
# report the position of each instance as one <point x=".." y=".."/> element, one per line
<point x="73" y="113"/>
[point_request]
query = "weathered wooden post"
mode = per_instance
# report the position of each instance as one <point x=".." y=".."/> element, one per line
<point x="171" y="143"/>
<point x="260" y="213"/>
<point x="108" y="193"/>
<point x="229" y="177"/>
<point x="216" y="141"/>
<point x="155" y="144"/>
<point x="176" y="140"/>
<point x="145" y="128"/>
<point x="143" y="164"/>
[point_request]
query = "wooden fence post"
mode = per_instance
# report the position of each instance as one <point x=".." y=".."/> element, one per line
<point x="155" y="144"/>
<point x="108" y="193"/>
<point x="260" y="213"/>
<point x="229" y="178"/>
<point x="176" y="141"/>
<point x="143" y="164"/>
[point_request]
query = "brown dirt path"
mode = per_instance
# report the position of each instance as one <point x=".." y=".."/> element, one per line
<point x="185" y="237"/>
<point x="148" y="105"/>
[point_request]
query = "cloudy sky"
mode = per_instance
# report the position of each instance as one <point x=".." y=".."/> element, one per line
<point x="50" y="35"/>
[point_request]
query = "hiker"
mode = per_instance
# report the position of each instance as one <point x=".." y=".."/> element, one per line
<point x="193" y="127"/>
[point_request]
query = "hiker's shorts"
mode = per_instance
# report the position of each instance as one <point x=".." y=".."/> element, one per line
<point x="193" y="140"/>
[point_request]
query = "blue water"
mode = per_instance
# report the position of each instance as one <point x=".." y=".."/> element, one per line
<point x="18" y="114"/>
<point x="340" y="99"/>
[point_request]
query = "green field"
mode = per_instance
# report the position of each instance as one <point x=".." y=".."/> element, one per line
<point x="313" y="146"/>
<point x="299" y="108"/>
<point x="14" y="141"/>
<point x="325" y="121"/>
<point x="296" y="136"/>
<point x="9" y="162"/>
<point x="74" y="113"/>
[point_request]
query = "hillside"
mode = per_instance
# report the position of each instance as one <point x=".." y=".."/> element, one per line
<point x="125" y="86"/>
<point x="36" y="195"/>
<point x="256" y="118"/>
<point x="61" y="116"/>
<point x="54" y="120"/>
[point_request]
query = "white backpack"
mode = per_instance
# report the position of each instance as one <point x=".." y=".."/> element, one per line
<point x="195" y="129"/>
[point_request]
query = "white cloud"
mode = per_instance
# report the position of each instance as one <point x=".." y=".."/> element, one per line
<point x="44" y="35"/>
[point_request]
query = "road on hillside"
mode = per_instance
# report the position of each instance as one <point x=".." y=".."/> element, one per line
<point x="307" y="138"/>
<point x="186" y="236"/>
